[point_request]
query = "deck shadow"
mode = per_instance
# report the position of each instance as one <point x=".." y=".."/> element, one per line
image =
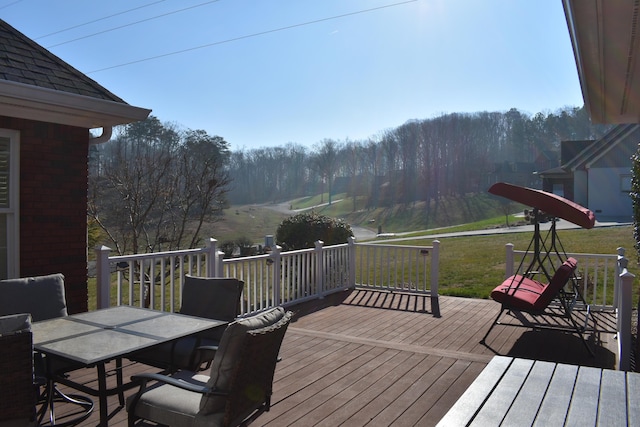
<point x="392" y="300"/>
<point x="317" y="304"/>
<point x="562" y="347"/>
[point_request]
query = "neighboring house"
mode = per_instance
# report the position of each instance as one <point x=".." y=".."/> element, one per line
<point x="517" y="173"/>
<point x="597" y="174"/>
<point x="546" y="159"/>
<point x="47" y="108"/>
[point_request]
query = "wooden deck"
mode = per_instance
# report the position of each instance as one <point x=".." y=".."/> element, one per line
<point x="366" y="358"/>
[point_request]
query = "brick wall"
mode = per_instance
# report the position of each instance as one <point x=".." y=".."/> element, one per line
<point x="53" y="204"/>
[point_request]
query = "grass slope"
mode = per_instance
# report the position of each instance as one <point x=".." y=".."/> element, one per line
<point x="413" y="216"/>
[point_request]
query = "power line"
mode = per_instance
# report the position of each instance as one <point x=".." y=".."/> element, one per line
<point x="10" y="4"/>
<point x="262" y="33"/>
<point x="134" y="23"/>
<point x="97" y="20"/>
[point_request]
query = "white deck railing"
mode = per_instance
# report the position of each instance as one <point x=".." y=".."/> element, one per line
<point x="605" y="284"/>
<point x="598" y="274"/>
<point x="276" y="278"/>
<point x="286" y="278"/>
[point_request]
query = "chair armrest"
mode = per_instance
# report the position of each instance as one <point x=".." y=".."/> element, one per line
<point x="146" y="377"/>
<point x="202" y="353"/>
<point x="213" y="348"/>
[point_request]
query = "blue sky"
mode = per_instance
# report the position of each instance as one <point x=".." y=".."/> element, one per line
<point x="268" y="72"/>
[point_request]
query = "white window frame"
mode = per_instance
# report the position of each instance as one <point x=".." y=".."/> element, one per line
<point x="13" y="211"/>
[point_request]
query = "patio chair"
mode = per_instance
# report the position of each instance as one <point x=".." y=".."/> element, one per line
<point x="210" y="297"/>
<point x="238" y="388"/>
<point x="17" y="390"/>
<point x="521" y="293"/>
<point x="43" y="297"/>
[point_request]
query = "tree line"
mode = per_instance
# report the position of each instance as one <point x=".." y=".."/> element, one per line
<point x="154" y="185"/>
<point x="421" y="160"/>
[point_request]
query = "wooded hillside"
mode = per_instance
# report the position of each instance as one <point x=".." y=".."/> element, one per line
<point x="421" y="160"/>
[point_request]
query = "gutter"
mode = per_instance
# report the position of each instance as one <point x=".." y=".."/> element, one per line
<point x="53" y="106"/>
<point x="103" y="137"/>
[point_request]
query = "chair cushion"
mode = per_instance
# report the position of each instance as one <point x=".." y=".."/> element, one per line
<point x="529" y="295"/>
<point x="228" y="353"/>
<point x="42" y="296"/>
<point x="221" y="303"/>
<point x="169" y="405"/>
<point x="518" y="292"/>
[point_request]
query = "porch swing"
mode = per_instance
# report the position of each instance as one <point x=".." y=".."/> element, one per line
<point x="546" y="285"/>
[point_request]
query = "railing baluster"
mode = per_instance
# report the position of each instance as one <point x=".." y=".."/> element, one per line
<point x="279" y="278"/>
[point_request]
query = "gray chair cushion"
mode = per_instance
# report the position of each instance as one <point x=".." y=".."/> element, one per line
<point x="212" y="298"/>
<point x="42" y="296"/>
<point x="15" y="323"/>
<point x="174" y="406"/>
<point x="228" y="353"/>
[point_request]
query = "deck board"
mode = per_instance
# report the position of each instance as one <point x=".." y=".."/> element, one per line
<point x="378" y="358"/>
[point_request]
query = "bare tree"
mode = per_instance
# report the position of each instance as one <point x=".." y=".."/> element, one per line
<point x="153" y="188"/>
<point x="325" y="161"/>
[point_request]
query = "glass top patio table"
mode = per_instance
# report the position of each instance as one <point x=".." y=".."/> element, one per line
<point x="105" y="334"/>
<point x="96" y="337"/>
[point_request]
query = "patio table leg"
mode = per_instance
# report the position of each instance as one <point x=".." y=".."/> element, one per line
<point x="102" y="394"/>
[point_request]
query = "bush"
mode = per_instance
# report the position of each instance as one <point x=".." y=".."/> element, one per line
<point x="301" y="231"/>
<point x="246" y="246"/>
<point x="228" y="247"/>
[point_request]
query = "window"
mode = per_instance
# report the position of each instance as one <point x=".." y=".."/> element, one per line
<point x="9" y="215"/>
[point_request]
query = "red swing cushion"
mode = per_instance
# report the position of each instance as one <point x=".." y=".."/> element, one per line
<point x="525" y="294"/>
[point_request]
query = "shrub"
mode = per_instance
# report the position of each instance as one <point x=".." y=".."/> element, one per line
<point x="228" y="247"/>
<point x="301" y="231"/>
<point x="246" y="246"/>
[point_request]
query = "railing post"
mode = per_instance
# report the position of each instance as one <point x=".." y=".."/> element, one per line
<point x="435" y="274"/>
<point x="103" y="277"/>
<point x="624" y="316"/>
<point x="352" y="262"/>
<point x="276" y="264"/>
<point x="617" y="279"/>
<point x="319" y="279"/>
<point x="509" y="267"/>
<point x="212" y="253"/>
<point x="220" y="264"/>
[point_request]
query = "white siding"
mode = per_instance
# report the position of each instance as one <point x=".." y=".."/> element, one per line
<point x="606" y="196"/>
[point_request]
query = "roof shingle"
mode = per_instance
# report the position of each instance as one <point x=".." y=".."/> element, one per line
<point x="24" y="61"/>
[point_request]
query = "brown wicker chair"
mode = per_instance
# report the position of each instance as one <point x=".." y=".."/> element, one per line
<point x="18" y="394"/>
<point x="238" y="388"/>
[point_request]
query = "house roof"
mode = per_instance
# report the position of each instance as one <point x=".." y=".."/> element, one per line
<point x="36" y="84"/>
<point x="606" y="47"/>
<point x="584" y="156"/>
<point x="600" y="147"/>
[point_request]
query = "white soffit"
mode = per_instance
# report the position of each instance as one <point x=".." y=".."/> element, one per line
<point x="606" y="45"/>
<point x="47" y="105"/>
